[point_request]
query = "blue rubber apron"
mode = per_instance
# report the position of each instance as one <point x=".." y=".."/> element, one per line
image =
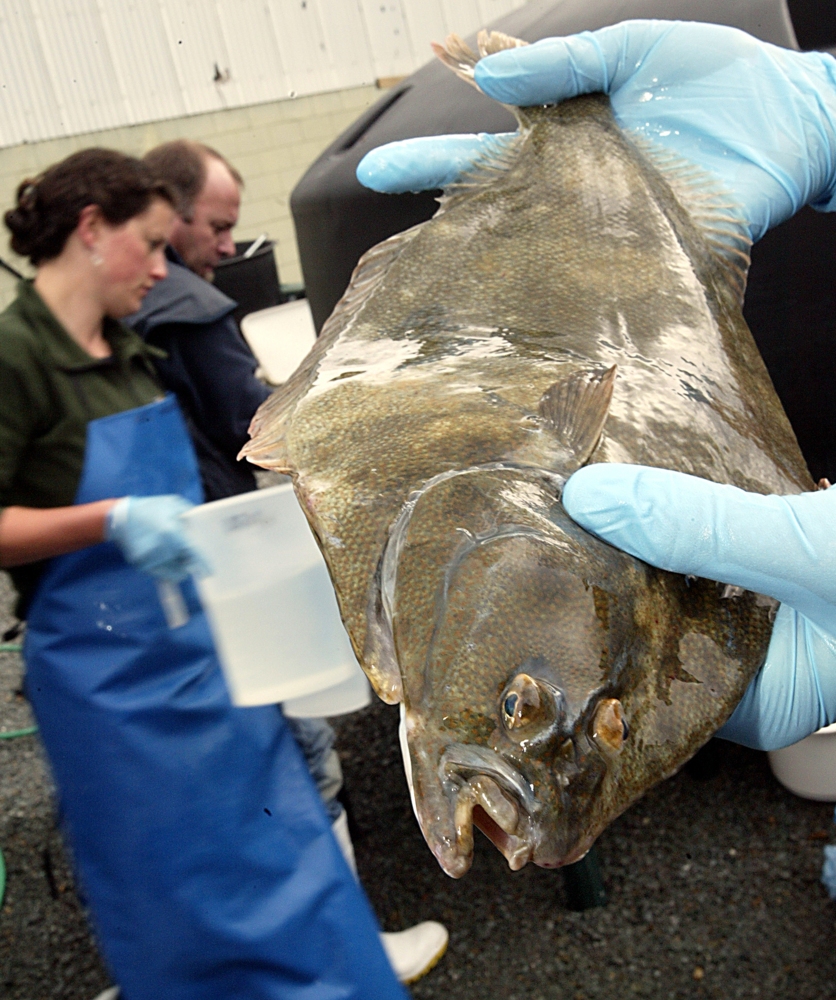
<point x="199" y="838"/>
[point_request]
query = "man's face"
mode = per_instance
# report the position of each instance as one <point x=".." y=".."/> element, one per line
<point x="207" y="239"/>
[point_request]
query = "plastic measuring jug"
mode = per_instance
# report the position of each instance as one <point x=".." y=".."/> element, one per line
<point x="270" y="604"/>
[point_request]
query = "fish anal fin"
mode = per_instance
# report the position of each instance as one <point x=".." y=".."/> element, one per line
<point x="712" y="210"/>
<point x="499" y="154"/>
<point x="575" y="409"/>
<point x="369" y="273"/>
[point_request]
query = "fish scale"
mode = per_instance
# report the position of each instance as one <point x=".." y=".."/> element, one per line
<point x="576" y="299"/>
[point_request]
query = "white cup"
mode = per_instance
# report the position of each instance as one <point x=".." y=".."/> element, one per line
<point x="808" y="768"/>
<point x="270" y="605"/>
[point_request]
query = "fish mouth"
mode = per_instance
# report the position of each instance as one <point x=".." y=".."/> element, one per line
<point x="487" y="792"/>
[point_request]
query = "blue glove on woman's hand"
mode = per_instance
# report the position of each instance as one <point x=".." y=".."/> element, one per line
<point x="149" y="531"/>
<point x="759" y="118"/>
<point x="784" y="547"/>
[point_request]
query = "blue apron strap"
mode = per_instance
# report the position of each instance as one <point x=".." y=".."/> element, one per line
<point x="200" y="840"/>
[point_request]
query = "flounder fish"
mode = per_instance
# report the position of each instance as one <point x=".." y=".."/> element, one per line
<point x="575" y="299"/>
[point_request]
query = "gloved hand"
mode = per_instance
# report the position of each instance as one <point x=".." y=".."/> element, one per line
<point x="760" y="119"/>
<point x="149" y="531"/>
<point x="784" y="547"/>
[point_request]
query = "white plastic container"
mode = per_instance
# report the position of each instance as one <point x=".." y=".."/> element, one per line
<point x="350" y="696"/>
<point x="808" y="768"/>
<point x="271" y="606"/>
<point x="280" y="337"/>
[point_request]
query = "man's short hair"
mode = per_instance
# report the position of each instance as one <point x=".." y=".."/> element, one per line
<point x="181" y="164"/>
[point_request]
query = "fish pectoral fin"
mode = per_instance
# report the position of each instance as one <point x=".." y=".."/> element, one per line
<point x="575" y="410"/>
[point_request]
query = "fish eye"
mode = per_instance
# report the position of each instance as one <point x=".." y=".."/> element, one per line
<point x="610" y="728"/>
<point x="527" y="707"/>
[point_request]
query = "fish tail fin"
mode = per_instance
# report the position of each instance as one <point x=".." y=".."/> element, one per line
<point x="499" y="151"/>
<point x="461" y="59"/>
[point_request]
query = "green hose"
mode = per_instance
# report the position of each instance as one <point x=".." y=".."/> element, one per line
<point x="10" y="647"/>
<point x="14" y="647"/>
<point x="14" y="733"/>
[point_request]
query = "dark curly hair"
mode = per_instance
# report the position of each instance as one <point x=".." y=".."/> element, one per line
<point x="48" y="206"/>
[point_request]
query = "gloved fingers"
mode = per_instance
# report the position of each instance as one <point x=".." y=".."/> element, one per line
<point x="641" y="53"/>
<point x="175" y="560"/>
<point x="793" y="694"/>
<point x="151" y="535"/>
<point x="555" y="69"/>
<point x="781" y="546"/>
<point x="758" y="118"/>
<point x="423" y="164"/>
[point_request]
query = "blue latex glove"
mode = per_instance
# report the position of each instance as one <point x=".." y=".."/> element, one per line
<point x="828" y="871"/>
<point x="149" y="531"/>
<point x="759" y="118"/>
<point x="784" y="547"/>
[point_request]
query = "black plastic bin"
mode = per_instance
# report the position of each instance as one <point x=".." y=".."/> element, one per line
<point x="252" y="281"/>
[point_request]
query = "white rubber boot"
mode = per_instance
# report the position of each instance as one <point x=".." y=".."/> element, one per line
<point x="413" y="952"/>
<point x="416" y="950"/>
<point x="340" y="830"/>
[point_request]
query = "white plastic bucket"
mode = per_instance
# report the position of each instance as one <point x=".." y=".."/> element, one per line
<point x="350" y="696"/>
<point x="808" y="768"/>
<point x="280" y="337"/>
<point x="270" y="603"/>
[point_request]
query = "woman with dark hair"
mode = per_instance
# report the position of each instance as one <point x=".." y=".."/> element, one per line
<point x="95" y="227"/>
<point x="200" y="841"/>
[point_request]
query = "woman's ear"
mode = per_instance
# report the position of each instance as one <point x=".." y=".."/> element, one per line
<point x="89" y="228"/>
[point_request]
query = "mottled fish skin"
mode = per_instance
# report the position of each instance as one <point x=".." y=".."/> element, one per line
<point x="548" y="679"/>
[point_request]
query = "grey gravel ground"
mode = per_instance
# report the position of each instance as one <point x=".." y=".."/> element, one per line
<point x="713" y="887"/>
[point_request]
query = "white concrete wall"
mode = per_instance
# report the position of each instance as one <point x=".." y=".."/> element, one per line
<point x="76" y="66"/>
<point x="270" y="83"/>
<point x="272" y="144"/>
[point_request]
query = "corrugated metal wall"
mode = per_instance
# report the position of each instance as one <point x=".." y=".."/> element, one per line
<point x="73" y="66"/>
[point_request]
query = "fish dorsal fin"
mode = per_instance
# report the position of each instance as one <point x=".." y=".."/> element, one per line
<point x="267" y="445"/>
<point x="370" y="271"/>
<point x="461" y="59"/>
<point x="711" y="208"/>
<point x="575" y="409"/>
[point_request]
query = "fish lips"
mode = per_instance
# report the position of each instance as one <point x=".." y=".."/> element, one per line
<point x="476" y="786"/>
<point x="476" y="780"/>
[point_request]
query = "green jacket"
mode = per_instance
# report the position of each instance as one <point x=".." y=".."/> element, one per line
<point x="50" y="389"/>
